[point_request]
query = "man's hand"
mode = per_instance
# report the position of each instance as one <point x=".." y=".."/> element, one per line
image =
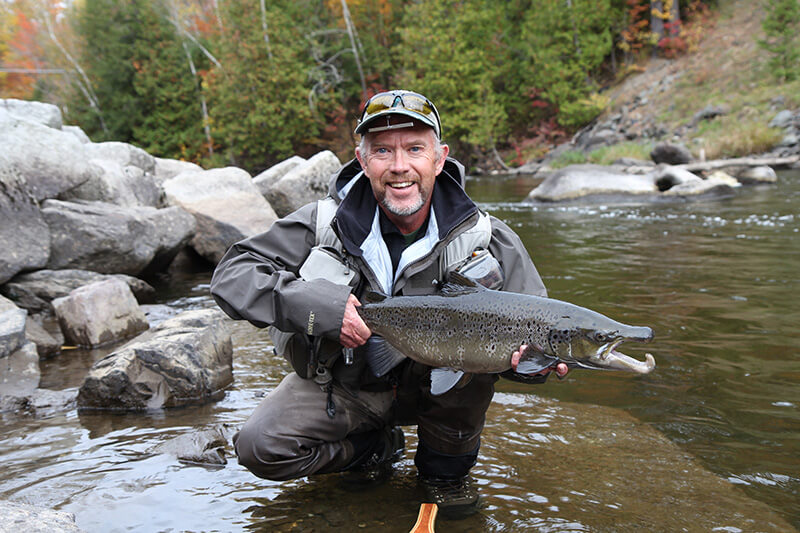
<point x="561" y="368"/>
<point x="354" y="331"/>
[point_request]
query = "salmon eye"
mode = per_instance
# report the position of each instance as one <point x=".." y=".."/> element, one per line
<point x="601" y="337"/>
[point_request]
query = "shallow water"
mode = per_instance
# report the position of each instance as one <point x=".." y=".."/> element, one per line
<point x="718" y="281"/>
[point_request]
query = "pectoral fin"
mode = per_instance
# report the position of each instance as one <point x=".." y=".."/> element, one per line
<point x="534" y="360"/>
<point x="444" y="379"/>
<point x="382" y="356"/>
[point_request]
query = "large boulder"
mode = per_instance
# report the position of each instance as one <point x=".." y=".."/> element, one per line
<point x="26" y="518"/>
<point x="169" y="168"/>
<point x="112" y="239"/>
<point x="99" y="313"/>
<point x="50" y="160"/>
<point x="123" y="153"/>
<point x="184" y="360"/>
<point x="126" y="185"/>
<point x="35" y="290"/>
<point x="12" y="327"/>
<point x="666" y="177"/>
<point x="47" y="345"/>
<point x="303" y="184"/>
<point x="38" y="112"/>
<point x="756" y="175"/>
<point x="671" y="154"/>
<point x="273" y="174"/>
<point x="24" y="235"/>
<point x="226" y="205"/>
<point x="578" y="181"/>
<point x="714" y="187"/>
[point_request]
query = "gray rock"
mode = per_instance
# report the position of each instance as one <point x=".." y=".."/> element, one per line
<point x="184" y="360"/>
<point x="99" y="313"/>
<point x="754" y="175"/>
<point x="671" y="154"/>
<point x="51" y="161"/>
<point x="38" y="112"/>
<point x="706" y="188"/>
<point x="12" y="327"/>
<point x="198" y="447"/>
<point x="19" y="372"/>
<point x="78" y="133"/>
<point x="303" y="184"/>
<point x="707" y="113"/>
<point x="273" y="174"/>
<point x="782" y="120"/>
<point x="226" y="205"/>
<point x="790" y="139"/>
<point x="24" y="235"/>
<point x="35" y="290"/>
<point x="112" y="239"/>
<point x="666" y="177"/>
<point x="123" y="153"/>
<point x="24" y="518"/>
<point x="46" y="344"/>
<point x="39" y="403"/>
<point x="116" y="184"/>
<point x="169" y="168"/>
<point x="578" y="181"/>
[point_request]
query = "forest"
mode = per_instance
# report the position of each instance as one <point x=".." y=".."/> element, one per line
<point x="249" y="83"/>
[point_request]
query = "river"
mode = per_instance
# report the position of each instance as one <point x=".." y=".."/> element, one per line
<point x="710" y="439"/>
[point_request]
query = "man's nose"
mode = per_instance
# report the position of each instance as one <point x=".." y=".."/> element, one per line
<point x="399" y="162"/>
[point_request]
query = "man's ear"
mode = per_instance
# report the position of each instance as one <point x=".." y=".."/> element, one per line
<point x="360" y="158"/>
<point x="442" y="159"/>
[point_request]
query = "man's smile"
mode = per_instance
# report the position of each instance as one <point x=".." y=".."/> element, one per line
<point x="400" y="184"/>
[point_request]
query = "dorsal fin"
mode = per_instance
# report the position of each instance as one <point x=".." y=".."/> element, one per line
<point x="459" y="284"/>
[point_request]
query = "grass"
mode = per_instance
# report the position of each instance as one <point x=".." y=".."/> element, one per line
<point x="730" y="136"/>
<point x="605" y="155"/>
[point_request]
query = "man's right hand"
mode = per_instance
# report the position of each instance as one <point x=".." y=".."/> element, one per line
<point x="354" y="331"/>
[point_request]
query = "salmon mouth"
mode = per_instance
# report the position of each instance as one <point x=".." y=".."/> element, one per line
<point x="607" y="357"/>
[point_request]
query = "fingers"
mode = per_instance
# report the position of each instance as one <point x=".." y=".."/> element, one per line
<point x="354" y="331"/>
<point x="561" y="370"/>
<point x="515" y="357"/>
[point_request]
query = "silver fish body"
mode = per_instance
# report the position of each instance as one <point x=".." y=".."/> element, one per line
<point x="476" y="330"/>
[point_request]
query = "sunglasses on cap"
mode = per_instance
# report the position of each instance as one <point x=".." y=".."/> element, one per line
<point x="406" y="103"/>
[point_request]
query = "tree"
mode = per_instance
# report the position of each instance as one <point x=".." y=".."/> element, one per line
<point x="781" y="26"/>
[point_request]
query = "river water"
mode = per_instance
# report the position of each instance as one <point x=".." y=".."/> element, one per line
<point x="709" y="441"/>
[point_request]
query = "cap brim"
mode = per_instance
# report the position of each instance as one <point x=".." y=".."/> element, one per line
<point x="363" y="127"/>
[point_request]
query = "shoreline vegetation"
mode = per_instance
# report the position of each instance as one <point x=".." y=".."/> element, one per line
<point x="589" y="83"/>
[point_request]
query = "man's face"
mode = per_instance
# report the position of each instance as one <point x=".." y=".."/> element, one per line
<point x="402" y="167"/>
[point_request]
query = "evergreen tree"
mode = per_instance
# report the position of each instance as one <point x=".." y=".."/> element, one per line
<point x="781" y="26"/>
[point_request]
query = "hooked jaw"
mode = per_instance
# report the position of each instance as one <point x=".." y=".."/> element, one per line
<point x="608" y="357"/>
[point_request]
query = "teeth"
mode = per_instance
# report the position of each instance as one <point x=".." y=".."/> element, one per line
<point x="401" y="185"/>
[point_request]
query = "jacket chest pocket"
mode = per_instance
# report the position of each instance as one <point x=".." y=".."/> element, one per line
<point x="424" y="282"/>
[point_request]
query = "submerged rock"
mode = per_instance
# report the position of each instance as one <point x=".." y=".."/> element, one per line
<point x="578" y="181"/>
<point x="184" y="360"/>
<point x="12" y="327"/>
<point x="24" y="518"/>
<point x="199" y="447"/>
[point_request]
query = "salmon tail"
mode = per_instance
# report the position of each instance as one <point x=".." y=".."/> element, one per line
<point x="382" y="356"/>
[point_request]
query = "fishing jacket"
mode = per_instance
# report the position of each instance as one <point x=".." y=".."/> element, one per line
<point x="259" y="279"/>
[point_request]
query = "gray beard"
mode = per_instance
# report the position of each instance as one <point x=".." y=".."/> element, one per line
<point x="403" y="212"/>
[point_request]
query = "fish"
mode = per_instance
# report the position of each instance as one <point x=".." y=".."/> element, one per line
<point x="469" y="329"/>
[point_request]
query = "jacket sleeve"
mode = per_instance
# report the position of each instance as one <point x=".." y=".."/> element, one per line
<point x="257" y="280"/>
<point x="518" y="269"/>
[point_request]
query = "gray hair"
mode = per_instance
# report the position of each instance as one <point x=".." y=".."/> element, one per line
<point x="438" y="152"/>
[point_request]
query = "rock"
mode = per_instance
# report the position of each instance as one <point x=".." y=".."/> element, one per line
<point x="169" y="168"/>
<point x="184" y="360"/>
<point x="35" y="290"/>
<point x="116" y="184"/>
<point x="46" y="344"/>
<point x="19" y="372"/>
<point x="790" y="139"/>
<point x="124" y="154"/>
<point x="51" y="161"/>
<point x="226" y="205"/>
<point x="303" y="184"/>
<point x="12" y="327"/>
<point x="754" y="175"/>
<point x="21" y="517"/>
<point x="24" y="235"/>
<point x="78" y="133"/>
<point x="112" y="239"/>
<point x="707" y="113"/>
<point x="720" y="176"/>
<point x="782" y="120"/>
<point x="38" y="112"/>
<point x="272" y="175"/>
<point x="666" y="177"/>
<point x="705" y="188"/>
<point x="578" y="181"/>
<point x="39" y="403"/>
<point x="99" y="313"/>
<point x="671" y="154"/>
<point x="199" y="447"/>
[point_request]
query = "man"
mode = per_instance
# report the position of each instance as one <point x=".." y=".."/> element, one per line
<point x="398" y="222"/>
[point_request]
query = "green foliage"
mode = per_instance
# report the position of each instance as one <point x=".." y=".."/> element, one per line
<point x="450" y="52"/>
<point x="729" y="136"/>
<point x="570" y="157"/>
<point x="608" y="154"/>
<point x="781" y="26"/>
